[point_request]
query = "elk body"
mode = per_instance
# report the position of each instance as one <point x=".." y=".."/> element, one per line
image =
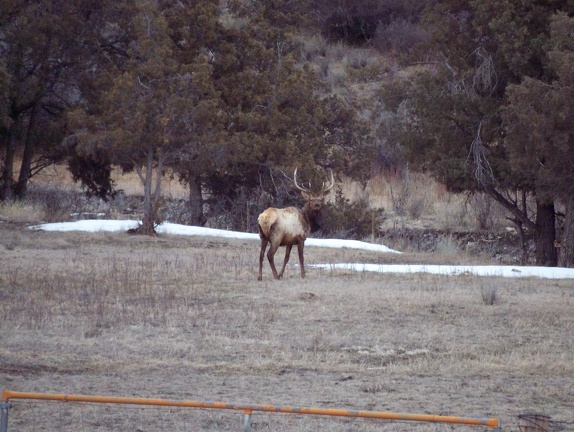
<point x="290" y="226"/>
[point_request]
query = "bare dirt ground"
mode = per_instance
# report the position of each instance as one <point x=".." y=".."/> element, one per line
<point x="185" y="319"/>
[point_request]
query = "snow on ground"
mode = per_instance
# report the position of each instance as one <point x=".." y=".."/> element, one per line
<point x="176" y="229"/>
<point x="450" y="270"/>
<point x="101" y="225"/>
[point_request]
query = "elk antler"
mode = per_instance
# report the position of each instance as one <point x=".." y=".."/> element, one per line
<point x="324" y="188"/>
<point x="327" y="187"/>
<point x="301" y="188"/>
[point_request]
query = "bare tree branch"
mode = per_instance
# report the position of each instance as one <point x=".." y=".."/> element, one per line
<point x="477" y="157"/>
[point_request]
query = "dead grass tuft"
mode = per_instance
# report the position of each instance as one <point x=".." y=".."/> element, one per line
<point x="21" y="211"/>
<point x="489" y="295"/>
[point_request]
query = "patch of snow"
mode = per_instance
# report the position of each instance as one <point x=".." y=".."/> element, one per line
<point x="455" y="270"/>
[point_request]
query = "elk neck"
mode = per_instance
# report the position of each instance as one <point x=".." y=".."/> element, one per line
<point x="311" y="216"/>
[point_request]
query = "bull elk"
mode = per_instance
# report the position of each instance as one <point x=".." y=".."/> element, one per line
<point x="290" y="226"/>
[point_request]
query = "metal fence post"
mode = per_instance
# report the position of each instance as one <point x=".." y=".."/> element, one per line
<point x="4" y="408"/>
<point x="246" y="421"/>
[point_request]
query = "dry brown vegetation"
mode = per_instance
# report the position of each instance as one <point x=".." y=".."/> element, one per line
<point x="416" y="200"/>
<point x="185" y="318"/>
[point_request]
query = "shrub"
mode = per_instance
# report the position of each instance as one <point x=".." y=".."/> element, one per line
<point x="336" y="76"/>
<point x="357" y="22"/>
<point x="487" y="212"/>
<point x="400" y="35"/>
<point x="358" y="59"/>
<point x="57" y="204"/>
<point x="350" y="26"/>
<point x="489" y="295"/>
<point x="313" y="48"/>
<point x="352" y="220"/>
<point x="411" y="198"/>
<point x="337" y="52"/>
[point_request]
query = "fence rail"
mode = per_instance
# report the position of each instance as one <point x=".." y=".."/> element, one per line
<point x="247" y="410"/>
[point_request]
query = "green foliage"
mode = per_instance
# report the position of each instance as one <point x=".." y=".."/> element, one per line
<point x="43" y="50"/>
<point x="343" y="219"/>
<point x="94" y="172"/>
<point x="540" y="134"/>
<point x="437" y="123"/>
<point x="159" y="107"/>
<point x="518" y="31"/>
<point x="539" y="120"/>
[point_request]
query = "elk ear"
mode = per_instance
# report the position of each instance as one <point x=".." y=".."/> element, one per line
<point x="306" y="195"/>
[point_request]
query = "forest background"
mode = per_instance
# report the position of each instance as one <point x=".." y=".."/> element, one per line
<point x="228" y="96"/>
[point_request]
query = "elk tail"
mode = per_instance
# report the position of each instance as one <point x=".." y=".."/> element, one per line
<point x="266" y="221"/>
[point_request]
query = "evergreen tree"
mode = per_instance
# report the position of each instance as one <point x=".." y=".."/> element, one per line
<point x="141" y="122"/>
<point x="270" y="117"/>
<point x="450" y="121"/>
<point x="44" y="47"/>
<point x="540" y="128"/>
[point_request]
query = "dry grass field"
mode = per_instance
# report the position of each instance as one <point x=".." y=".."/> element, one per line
<point x="185" y="318"/>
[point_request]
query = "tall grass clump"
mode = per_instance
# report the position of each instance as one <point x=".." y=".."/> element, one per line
<point x="314" y="47"/>
<point x="412" y="196"/>
<point x="24" y="211"/>
<point x="489" y="295"/>
<point x="358" y="59"/>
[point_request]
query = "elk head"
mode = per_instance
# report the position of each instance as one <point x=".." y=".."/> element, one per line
<point x="314" y="200"/>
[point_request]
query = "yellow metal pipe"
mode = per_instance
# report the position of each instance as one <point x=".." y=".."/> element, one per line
<point x="489" y="422"/>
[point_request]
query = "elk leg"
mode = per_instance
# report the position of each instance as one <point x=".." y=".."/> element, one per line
<point x="287" y="253"/>
<point x="300" y="247"/>
<point x="270" y="254"/>
<point x="264" y="243"/>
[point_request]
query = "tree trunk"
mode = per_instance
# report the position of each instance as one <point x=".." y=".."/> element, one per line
<point x="147" y="227"/>
<point x="150" y="197"/>
<point x="567" y="244"/>
<point x="21" y="185"/>
<point x="195" y="202"/>
<point x="7" y="183"/>
<point x="545" y="235"/>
